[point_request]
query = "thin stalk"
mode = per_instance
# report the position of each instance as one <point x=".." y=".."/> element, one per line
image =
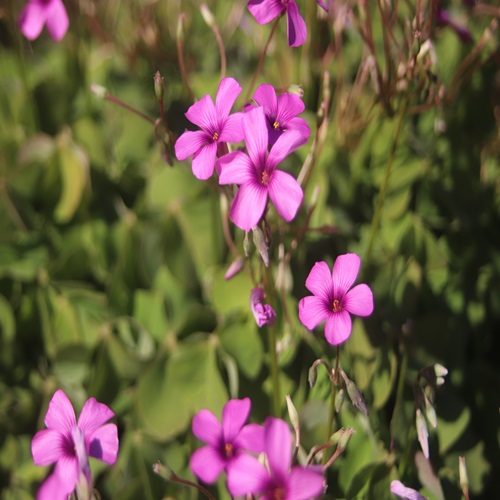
<point x="385" y="185"/>
<point x="333" y="395"/>
<point x="111" y="98"/>
<point x="261" y="60"/>
<point x="180" y="55"/>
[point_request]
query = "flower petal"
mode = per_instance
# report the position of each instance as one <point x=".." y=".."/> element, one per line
<point x="265" y="96"/>
<point x="256" y="137"/>
<point x="265" y="11"/>
<point x="234" y="416"/>
<point x="319" y="282"/>
<point x="53" y="489"/>
<point x="60" y="415"/>
<point x="278" y="439"/>
<point x="229" y="89"/>
<point x="232" y="131"/>
<point x="251" y="438"/>
<point x="345" y="271"/>
<point x="402" y="491"/>
<point x="286" y="194"/>
<point x="246" y="475"/>
<point x="207" y="464"/>
<point x="289" y="106"/>
<point x="312" y="311"/>
<point x="359" y="300"/>
<point x="305" y="483"/>
<point x="47" y="447"/>
<point x="300" y="125"/>
<point x="284" y="145"/>
<point x="207" y="428"/>
<point x="93" y="415"/>
<point x="297" y="31"/>
<point x="248" y="205"/>
<point x="57" y="20"/>
<point x="203" y="114"/>
<point x="338" y="327"/>
<point x="67" y="472"/>
<point x="204" y="161"/>
<point x="32" y="19"/>
<point x="103" y="443"/>
<point x="236" y="168"/>
<point x="190" y="142"/>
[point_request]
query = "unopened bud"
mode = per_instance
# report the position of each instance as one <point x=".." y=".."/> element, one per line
<point x="293" y="414"/>
<point x="463" y="476"/>
<point x="235" y="267"/>
<point x="208" y="17"/>
<point x="335" y="437"/>
<point x="163" y="471"/>
<point x="355" y="394"/>
<point x="422" y="432"/>
<point x="430" y="412"/>
<point x="159" y="86"/>
<point x="345" y="438"/>
<point x="260" y="244"/>
<point x="180" y="28"/>
<point x="295" y="89"/>
<point x="99" y="91"/>
<point x="440" y="370"/>
<point x="312" y="376"/>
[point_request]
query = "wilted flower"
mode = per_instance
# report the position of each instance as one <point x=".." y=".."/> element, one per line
<point x="69" y="443"/>
<point x="226" y="443"/>
<point x="332" y="300"/>
<point x="257" y="176"/>
<point x="217" y="128"/>
<point x="281" y="112"/>
<point x="37" y="13"/>
<point x="401" y="491"/>
<point x="263" y="313"/>
<point x="280" y="480"/>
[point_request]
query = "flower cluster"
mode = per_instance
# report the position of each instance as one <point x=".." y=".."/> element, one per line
<point x="69" y="443"/>
<point x="271" y="131"/>
<point x="228" y="449"/>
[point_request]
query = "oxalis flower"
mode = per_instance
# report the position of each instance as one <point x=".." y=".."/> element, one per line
<point x="264" y="11"/>
<point x="333" y="299"/>
<point x="257" y="176"/>
<point x="279" y="480"/>
<point x="217" y="128"/>
<point x="281" y="112"/>
<point x="226" y="443"/>
<point x="264" y="314"/>
<point x="69" y="443"/>
<point x="37" y="13"/>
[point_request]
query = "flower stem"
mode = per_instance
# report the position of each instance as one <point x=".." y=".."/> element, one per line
<point x="261" y="61"/>
<point x="275" y="374"/>
<point x="333" y="394"/>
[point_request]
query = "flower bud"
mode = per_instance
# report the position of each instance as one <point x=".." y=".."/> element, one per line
<point x="440" y="370"/>
<point x="99" y="91"/>
<point x="159" y="86"/>
<point x="345" y="438"/>
<point x="422" y="433"/>
<point x="463" y="476"/>
<point x="293" y="414"/>
<point x="295" y="89"/>
<point x="208" y="17"/>
<point x="312" y="376"/>
<point x="355" y="394"/>
<point x="180" y="28"/>
<point x="235" y="267"/>
<point x="263" y="313"/>
<point x="260" y="244"/>
<point x="339" y="400"/>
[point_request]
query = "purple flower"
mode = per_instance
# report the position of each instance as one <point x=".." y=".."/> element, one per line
<point x="249" y="476"/>
<point x="281" y="112"/>
<point x="264" y="11"/>
<point x="217" y="128"/>
<point x="401" y="491"/>
<point x="263" y="313"/>
<point x="332" y="299"/>
<point x="37" y="13"/>
<point x="226" y="443"/>
<point x="69" y="444"/>
<point x="257" y="175"/>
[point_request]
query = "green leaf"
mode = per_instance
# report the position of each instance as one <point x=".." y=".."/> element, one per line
<point x="7" y="320"/>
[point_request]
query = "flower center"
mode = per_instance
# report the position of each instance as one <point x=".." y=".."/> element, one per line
<point x="228" y="450"/>
<point x="278" y="494"/>
<point x="276" y="125"/>
<point x="336" y="306"/>
<point x="265" y="178"/>
<point x="215" y="137"/>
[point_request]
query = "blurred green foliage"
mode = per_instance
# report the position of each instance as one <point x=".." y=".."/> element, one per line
<point x="112" y="262"/>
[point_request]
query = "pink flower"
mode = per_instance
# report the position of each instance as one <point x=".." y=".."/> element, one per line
<point x="280" y="480"/>
<point x="281" y="112"/>
<point x="264" y="11"/>
<point x="217" y="128"/>
<point x="332" y="300"/>
<point x="257" y="175"/>
<point x="68" y="444"/>
<point x="263" y="313"/>
<point x="401" y="491"/>
<point x="37" y="13"/>
<point x="226" y="443"/>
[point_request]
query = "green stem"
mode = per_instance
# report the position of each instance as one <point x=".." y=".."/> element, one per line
<point x="333" y="395"/>
<point x="385" y="186"/>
